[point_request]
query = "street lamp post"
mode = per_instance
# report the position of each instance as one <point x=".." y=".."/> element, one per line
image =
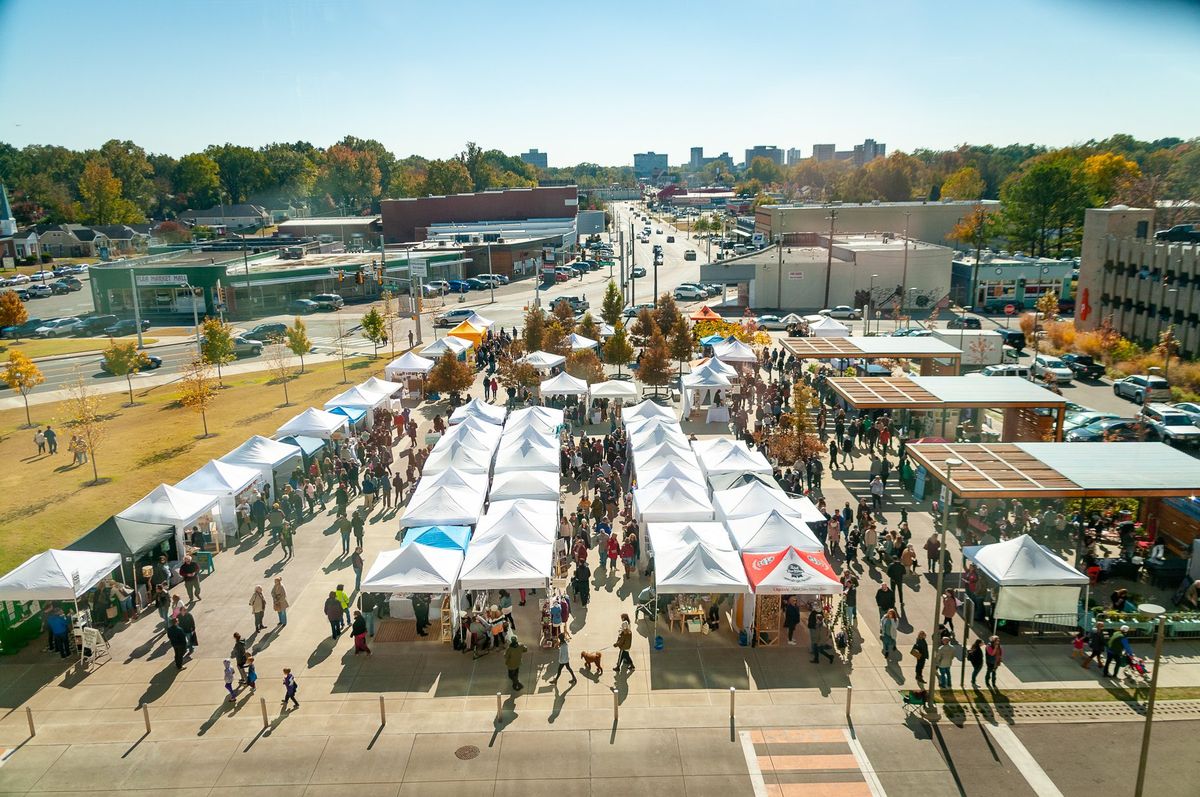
<point x="870" y="305"/>
<point x="951" y="463"/>
<point x="1160" y="614"/>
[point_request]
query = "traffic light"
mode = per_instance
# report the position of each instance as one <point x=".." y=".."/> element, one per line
<point x="341" y="276"/>
<point x="360" y="278"/>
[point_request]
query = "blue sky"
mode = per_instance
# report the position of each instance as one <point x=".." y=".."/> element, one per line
<point x="596" y="81"/>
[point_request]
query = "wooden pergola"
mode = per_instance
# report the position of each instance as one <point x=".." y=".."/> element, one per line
<point x="922" y="349"/>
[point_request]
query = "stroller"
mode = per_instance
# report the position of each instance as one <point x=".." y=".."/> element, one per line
<point x="647" y="604"/>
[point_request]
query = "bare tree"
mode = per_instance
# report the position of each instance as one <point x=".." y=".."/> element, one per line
<point x="278" y="358"/>
<point x="85" y="419"/>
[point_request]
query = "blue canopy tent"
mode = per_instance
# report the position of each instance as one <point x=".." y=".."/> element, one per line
<point x="309" y="446"/>
<point x="711" y="339"/>
<point x="449" y="537"/>
<point x="356" y="415"/>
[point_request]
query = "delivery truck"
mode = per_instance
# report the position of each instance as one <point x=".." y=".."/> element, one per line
<point x="980" y="347"/>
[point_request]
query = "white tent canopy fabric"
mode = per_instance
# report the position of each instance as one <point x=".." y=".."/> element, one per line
<point x="414" y="568"/>
<point x="314" y="423"/>
<point x="578" y="342"/>
<point x="543" y="360"/>
<point x="1032" y="579"/>
<point x="564" y="385"/>
<point x="636" y="425"/>
<point x="357" y="398"/>
<point x="754" y="499"/>
<point x="518" y="522"/>
<point x="772" y="531"/>
<point x="275" y="460"/>
<point x="699" y="568"/>
<point x="648" y="409"/>
<point x="669" y="450"/>
<point x="527" y="455"/>
<point x="479" y="322"/>
<point x="734" y="351"/>
<point x="605" y="330"/>
<point x="226" y="481"/>
<point x="449" y="498"/>
<point x="614" y="389"/>
<point x="672" y="499"/>
<point x="787" y="572"/>
<point x="507" y="563"/>
<point x="174" y="507"/>
<point x="49" y="576"/>
<point x="410" y="364"/>
<point x="547" y="418"/>
<point x="540" y="485"/>
<point x="700" y="388"/>
<point x="478" y="408"/>
<point x="540" y="512"/>
<point x="383" y="387"/>
<point x="669" y="469"/>
<point x="454" y="456"/>
<point x="667" y="536"/>
<point x="455" y="346"/>
<point x="732" y="457"/>
<point x="829" y="328"/>
<point x="715" y="366"/>
<point x="472" y="433"/>
<point x="652" y="437"/>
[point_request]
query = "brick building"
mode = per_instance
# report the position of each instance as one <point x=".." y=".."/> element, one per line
<point x="406" y="220"/>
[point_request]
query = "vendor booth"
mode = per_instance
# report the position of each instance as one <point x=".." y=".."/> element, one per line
<point x="384" y="387"/>
<point x="136" y="542"/>
<point x="414" y="568"/>
<point x="527" y="455"/>
<point x="692" y="562"/>
<point x="662" y="470"/>
<point x="275" y="460"/>
<point x="734" y="351"/>
<point x="478" y="408"/>
<point x="654" y="435"/>
<point x="578" y="342"/>
<point x="455" y="345"/>
<point x="315" y="423"/>
<point x="473" y="432"/>
<point x="543" y="361"/>
<point x="668" y="450"/>
<point x="230" y="484"/>
<point x="449" y="454"/>
<point x="528" y="433"/>
<point x="449" y="498"/>
<point x="1030" y="581"/>
<point x="828" y="328"/>
<point x="614" y="389"/>
<point x="356" y="415"/>
<point x="547" y="418"/>
<point x="754" y="499"/>
<point x="358" y="399"/>
<point x="65" y="577"/>
<point x="705" y="389"/>
<point x="517" y="515"/>
<point x="411" y="366"/>
<point x="724" y="455"/>
<point x="728" y="481"/>
<point x="706" y="313"/>
<point x="538" y="485"/>
<point x="805" y="574"/>
<point x="479" y="322"/>
<point x="503" y="562"/>
<point x="772" y="531"/>
<point x="182" y="509"/>
<point x="648" y="409"/>
<point x="309" y="446"/>
<point x="562" y="385"/>
<point x="672" y="499"/>
<point x="469" y="333"/>
<point x="451" y="537"/>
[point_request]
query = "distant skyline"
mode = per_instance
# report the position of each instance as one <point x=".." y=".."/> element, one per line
<point x="596" y="83"/>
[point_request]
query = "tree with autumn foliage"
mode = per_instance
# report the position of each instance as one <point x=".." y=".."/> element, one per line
<point x="654" y="368"/>
<point x="751" y="336"/>
<point x="450" y="375"/>
<point x="795" y="439"/>
<point x="680" y="341"/>
<point x="1109" y="175"/>
<point x="585" y="365"/>
<point x="514" y="373"/>
<point x="618" y="350"/>
<point x="644" y="327"/>
<point x="666" y="312"/>
<point x="22" y="375"/>
<point x="613" y="305"/>
<point x="966" y="183"/>
<point x="588" y="328"/>
<point x="535" y="328"/>
<point x="12" y="310"/>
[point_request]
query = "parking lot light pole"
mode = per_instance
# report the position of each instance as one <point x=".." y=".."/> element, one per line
<point x="951" y="463"/>
<point x="871" y="304"/>
<point x="1160" y="614"/>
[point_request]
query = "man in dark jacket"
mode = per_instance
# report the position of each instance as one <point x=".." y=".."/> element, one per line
<point x="791" y="617"/>
<point x="187" y="621"/>
<point x="239" y="656"/>
<point x="885" y="599"/>
<point x="512" y="661"/>
<point x="895" y="574"/>
<point x="258" y="514"/>
<point x="1096" y="644"/>
<point x="189" y="571"/>
<point x="179" y="640"/>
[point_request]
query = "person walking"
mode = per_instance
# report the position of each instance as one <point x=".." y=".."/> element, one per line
<point x="877" y="493"/>
<point x="189" y="571"/>
<point x="932" y="546"/>
<point x="564" y="658"/>
<point x="187" y="621"/>
<point x="818" y="636"/>
<point x="1095" y="642"/>
<point x="356" y="562"/>
<point x="512" y="661"/>
<point x="279" y="601"/>
<point x="162" y="602"/>
<point x="920" y="652"/>
<point x="258" y="605"/>
<point x="258" y="514"/>
<point x="39" y="439"/>
<point x="344" y="526"/>
<point x="239" y="656"/>
<point x="290" y="687"/>
<point x="251" y="675"/>
<point x="358" y="525"/>
<point x="895" y="574"/>
<point x="420" y="604"/>
<point x="889" y="627"/>
<point x="624" y="643"/>
<point x="344" y="600"/>
<point x="943" y="659"/>
<point x="885" y="599"/>
<point x="178" y="639"/>
<point x="949" y="609"/>
<point x="1116" y="650"/>
<point x="333" y="613"/>
<point x="229" y="681"/>
<point x="993" y="655"/>
<point x="975" y="657"/>
<point x="358" y="629"/>
<point x="51" y="439"/>
<point x="791" y="617"/>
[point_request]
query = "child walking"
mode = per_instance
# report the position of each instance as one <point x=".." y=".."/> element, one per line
<point x="229" y="681"/>
<point x="251" y="674"/>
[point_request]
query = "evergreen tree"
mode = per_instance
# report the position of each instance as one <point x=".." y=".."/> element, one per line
<point x="655" y="366"/>
<point x="613" y="305"/>
<point x="535" y="329"/>
<point x="617" y="349"/>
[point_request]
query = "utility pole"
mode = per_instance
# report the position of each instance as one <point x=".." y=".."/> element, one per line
<point x="137" y="308"/>
<point x="904" y="273"/>
<point x="779" y="276"/>
<point x="829" y="257"/>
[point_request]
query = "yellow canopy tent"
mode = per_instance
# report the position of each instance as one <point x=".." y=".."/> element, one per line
<point x="469" y="333"/>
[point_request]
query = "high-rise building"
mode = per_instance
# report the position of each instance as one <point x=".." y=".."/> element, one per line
<point x="794" y="156"/>
<point x="534" y="158"/>
<point x="649" y="164"/>
<point x="768" y="151"/>
<point x="697" y="159"/>
<point x="868" y="151"/>
<point x="824" y="152"/>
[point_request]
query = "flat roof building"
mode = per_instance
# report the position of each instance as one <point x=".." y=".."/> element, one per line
<point x="794" y="156"/>
<point x="354" y="231"/>
<point x="768" y="151"/>
<point x="406" y="220"/>
<point x="925" y="221"/>
<point x="649" y="165"/>
<point x="997" y="281"/>
<point x="535" y="158"/>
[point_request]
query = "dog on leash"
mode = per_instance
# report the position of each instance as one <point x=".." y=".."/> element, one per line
<point x="589" y="658"/>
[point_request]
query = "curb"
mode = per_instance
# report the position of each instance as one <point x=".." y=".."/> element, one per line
<point x="56" y="357"/>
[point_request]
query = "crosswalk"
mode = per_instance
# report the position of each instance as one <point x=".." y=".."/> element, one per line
<point x="808" y="762"/>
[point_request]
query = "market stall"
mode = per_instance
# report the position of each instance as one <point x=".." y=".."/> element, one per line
<point x="578" y="342"/>
<point x="733" y="350"/>
<point x="356" y="415"/>
<point x="230" y="484"/>
<point x="309" y="446"/>
<point x="516" y="512"/>
<point x="789" y="571"/>
<point x="662" y="470"/>
<point x="448" y="498"/>
<point x="315" y="423"/>
<point x="724" y="455"/>
<point x="705" y="389"/>
<point x="409" y="368"/>
<point x="648" y="409"/>
<point x="275" y="460"/>
<point x="478" y="408"/>
<point x="1028" y="579"/>
<point x="828" y="328"/>
<point x="451" y="537"/>
<point x="728" y="481"/>
<point x="672" y="500"/>
<point x="706" y="313"/>
<point x="669" y="450"/>
<point x="772" y="531"/>
<point x="693" y="562"/>
<point x="614" y="389"/>
<point x="468" y="332"/>
<point x="449" y="454"/>
<point x="562" y="385"/>
<point x="543" y="361"/>
<point x="473" y="432"/>
<point x="53" y="575"/>
<point x="182" y="509"/>
<point x="455" y="345"/>
<point x="503" y="562"/>
<point x="547" y="418"/>
<point x="384" y="387"/>
<point x="540" y="485"/>
<point x="754" y="499"/>
<point x="479" y="322"/>
<point x="414" y="568"/>
<point x="358" y="399"/>
<point x="136" y="542"/>
<point x="526" y="455"/>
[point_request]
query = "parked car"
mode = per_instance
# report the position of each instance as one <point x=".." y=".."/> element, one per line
<point x="459" y="286"/>
<point x="561" y="275"/>
<point x="1120" y="430"/>
<point x="1175" y="426"/>
<point x="690" y="292"/>
<point x="670" y="239"/>
<point x="267" y="333"/>
<point x="152" y="363"/>
<point x="96" y="324"/>
<point x="58" y="288"/>
<point x="964" y="322"/>
<point x="843" y="311"/>
<point x="638" y="271"/>
<point x="24" y="330"/>
<point x="632" y="312"/>
<point x="1006" y="370"/>
<point x="476" y="284"/>
<point x="442" y="286"/>
<point x="302" y="306"/>
<point x="1191" y="408"/>
<point x="1013" y="337"/>
<point x="62" y="271"/>
<point x="452" y="318"/>
<point x="1140" y="387"/>
<point x="770" y="322"/>
<point x="42" y="275"/>
<point x="329" y="301"/>
<point x="1045" y="366"/>
<point x="1084" y="366"/>
<point x="431" y="291"/>
<point x="577" y="303"/>
<point x="996" y="304"/>
<point x="125" y="327"/>
<point x="1180" y="233"/>
<point x="1075" y="420"/>
<point x="57" y="328"/>
<point x="689" y="254"/>
<point x="39" y="291"/>
<point x="495" y="279"/>
<point x="19" y="279"/>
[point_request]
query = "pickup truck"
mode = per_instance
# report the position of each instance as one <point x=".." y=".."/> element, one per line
<point x="1180" y="233"/>
<point x="1083" y="365"/>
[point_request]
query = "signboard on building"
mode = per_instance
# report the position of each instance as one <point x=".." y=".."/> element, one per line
<point x="795" y="275"/>
<point x="158" y="280"/>
<point x="418" y="268"/>
<point x="547" y="254"/>
<point x="10" y="262"/>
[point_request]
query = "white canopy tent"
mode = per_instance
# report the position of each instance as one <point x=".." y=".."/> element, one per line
<point x="50" y="575"/>
<point x="731" y="456"/>
<point x="648" y="409"/>
<point x="527" y="455"/>
<point x="455" y="346"/>
<point x="479" y="322"/>
<point x="478" y="408"/>
<point x="734" y="351"/>
<point x="414" y="568"/>
<point x="275" y="460"/>
<point x="754" y="499"/>
<point x="503" y="562"/>
<point x="654" y="436"/>
<point x="473" y="433"/>
<point x="410" y="364"/>
<point x="828" y="328"/>
<point x="548" y="418"/>
<point x="449" y="498"/>
<point x="538" y="485"/>
<point x="638" y="425"/>
<point x="383" y="387"/>
<point x="605" y="330"/>
<point x="357" y="398"/>
<point x="314" y="423"/>
<point x="712" y="365"/>
<point x="578" y="342"/>
<point x="672" y="500"/>
<point x="227" y="482"/>
<point x="701" y="388"/>
<point x="669" y="469"/>
<point x="791" y="318"/>
<point x="174" y="507"/>
<point x="698" y="568"/>
<point x="772" y="531"/>
<point x="669" y="450"/>
<point x="563" y="385"/>
<point x="665" y="536"/>
<point x="1032" y="580"/>
<point x="541" y="512"/>
<point x="531" y="432"/>
<point x="614" y="389"/>
<point x="522" y="521"/>
<point x="543" y="360"/>
<point x="451" y="455"/>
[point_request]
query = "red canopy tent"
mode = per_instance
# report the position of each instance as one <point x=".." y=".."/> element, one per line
<point x="791" y="571"/>
<point x="706" y="313"/>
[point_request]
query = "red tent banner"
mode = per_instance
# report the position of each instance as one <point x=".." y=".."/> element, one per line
<point x="791" y="571"/>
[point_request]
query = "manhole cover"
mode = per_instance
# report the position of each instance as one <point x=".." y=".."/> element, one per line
<point x="467" y="753"/>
